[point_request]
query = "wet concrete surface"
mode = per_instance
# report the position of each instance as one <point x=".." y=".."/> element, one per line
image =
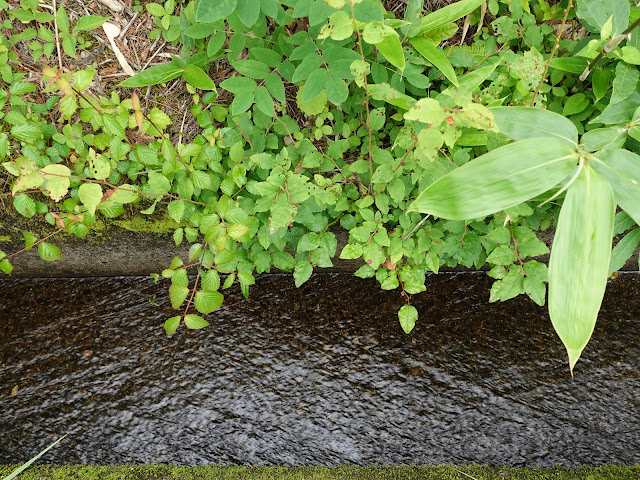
<point x="318" y="375"/>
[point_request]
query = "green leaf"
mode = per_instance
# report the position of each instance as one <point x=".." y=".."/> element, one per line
<point x="302" y="272"/>
<point x="624" y="82"/>
<point x="569" y="64"/>
<point x="178" y="294"/>
<point x="508" y="287"/>
<point x="49" y="252"/>
<point x="196" y="77"/>
<point x="275" y="86"/>
<point x="264" y="101"/>
<point x="176" y="209"/>
<point x="498" y="180"/>
<point x="601" y="138"/>
<point x="448" y="14"/>
<point x="391" y="48"/>
<point x="351" y="251"/>
<point x="408" y="315"/>
<point x="600" y="82"/>
<point x="251" y="68"/>
<point x="24" y="205"/>
<point x="207" y="301"/>
<point x="89" y="22"/>
<point x="521" y="123"/>
<point x="195" y="322"/>
<point x="237" y="230"/>
<point x="579" y="263"/>
<point x="171" y="324"/>
<point x="207" y="11"/>
<point x="623" y="250"/>
<point x="211" y="281"/>
<point x="248" y="11"/>
<point x="427" y="110"/>
<point x="435" y="56"/>
<point x="575" y="104"/>
<point x="620" y="169"/>
<point x="309" y="241"/>
<point x="57" y="180"/>
<point x="158" y="183"/>
<point x="62" y="19"/>
<point x="90" y="195"/>
<point x="336" y="90"/>
<point x="29" y="240"/>
<point x="6" y="267"/>
<point x="153" y="75"/>
<point x="468" y="82"/>
<point x="387" y="93"/>
<point x="82" y="79"/>
<point x="315" y="84"/>
<point x="201" y="30"/>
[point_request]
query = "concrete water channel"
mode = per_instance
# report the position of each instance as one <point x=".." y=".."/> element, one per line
<point x="318" y="375"/>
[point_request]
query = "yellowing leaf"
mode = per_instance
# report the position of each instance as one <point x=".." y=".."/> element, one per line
<point x="90" y="195"/>
<point x="56" y="180"/>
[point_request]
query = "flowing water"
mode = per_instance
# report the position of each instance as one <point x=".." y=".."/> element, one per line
<point x="317" y="375"/>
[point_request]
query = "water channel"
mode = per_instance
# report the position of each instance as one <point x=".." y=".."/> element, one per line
<point x="318" y="375"/>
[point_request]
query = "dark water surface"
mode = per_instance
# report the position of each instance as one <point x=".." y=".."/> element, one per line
<point x="319" y="375"/>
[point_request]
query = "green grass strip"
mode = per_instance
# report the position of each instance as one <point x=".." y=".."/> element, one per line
<point x="168" y="472"/>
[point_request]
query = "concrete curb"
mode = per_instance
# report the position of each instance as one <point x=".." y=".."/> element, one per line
<point x="117" y="251"/>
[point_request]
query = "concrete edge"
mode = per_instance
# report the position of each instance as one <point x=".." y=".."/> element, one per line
<point x="117" y="251"/>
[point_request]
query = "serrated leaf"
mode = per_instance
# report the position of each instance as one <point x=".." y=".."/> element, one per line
<point x="24" y="205"/>
<point x="158" y="183"/>
<point x="494" y="181"/>
<point x="49" y="252"/>
<point x="57" y="181"/>
<point x="211" y="281"/>
<point x="176" y="209"/>
<point x="408" y="315"/>
<point x="171" y="324"/>
<point x="579" y="263"/>
<point x="90" y="195"/>
<point x="237" y="230"/>
<point x="302" y="272"/>
<point x="207" y="301"/>
<point x="178" y="294"/>
<point x="195" y="322"/>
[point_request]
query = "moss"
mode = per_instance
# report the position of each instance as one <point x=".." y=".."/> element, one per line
<point x="169" y="472"/>
<point x="6" y="238"/>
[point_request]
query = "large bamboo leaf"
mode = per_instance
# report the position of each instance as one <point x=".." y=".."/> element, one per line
<point x="621" y="168"/>
<point x="579" y="262"/>
<point x="521" y="123"/>
<point x="497" y="180"/>
<point x="448" y="14"/>
<point x="436" y="56"/>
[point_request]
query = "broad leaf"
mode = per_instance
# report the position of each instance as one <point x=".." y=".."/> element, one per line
<point x="153" y="75"/>
<point x="198" y="78"/>
<point x="207" y="11"/>
<point x="521" y="123"/>
<point x="579" y="263"/>
<point x="171" y="324"/>
<point x="90" y="195"/>
<point x="623" y="250"/>
<point x="408" y="315"/>
<point x="497" y="180"/>
<point x="195" y="322"/>
<point x="620" y="169"/>
<point x="208" y="301"/>
<point x="178" y="294"/>
<point x="436" y="56"/>
<point x="391" y="48"/>
<point x="468" y="82"/>
<point x="57" y="180"/>
<point x="448" y="14"/>
<point x="49" y="252"/>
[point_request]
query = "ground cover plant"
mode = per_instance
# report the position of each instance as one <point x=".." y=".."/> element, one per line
<point x="394" y="121"/>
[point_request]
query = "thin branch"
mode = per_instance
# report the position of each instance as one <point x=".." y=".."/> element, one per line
<point x="553" y="51"/>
